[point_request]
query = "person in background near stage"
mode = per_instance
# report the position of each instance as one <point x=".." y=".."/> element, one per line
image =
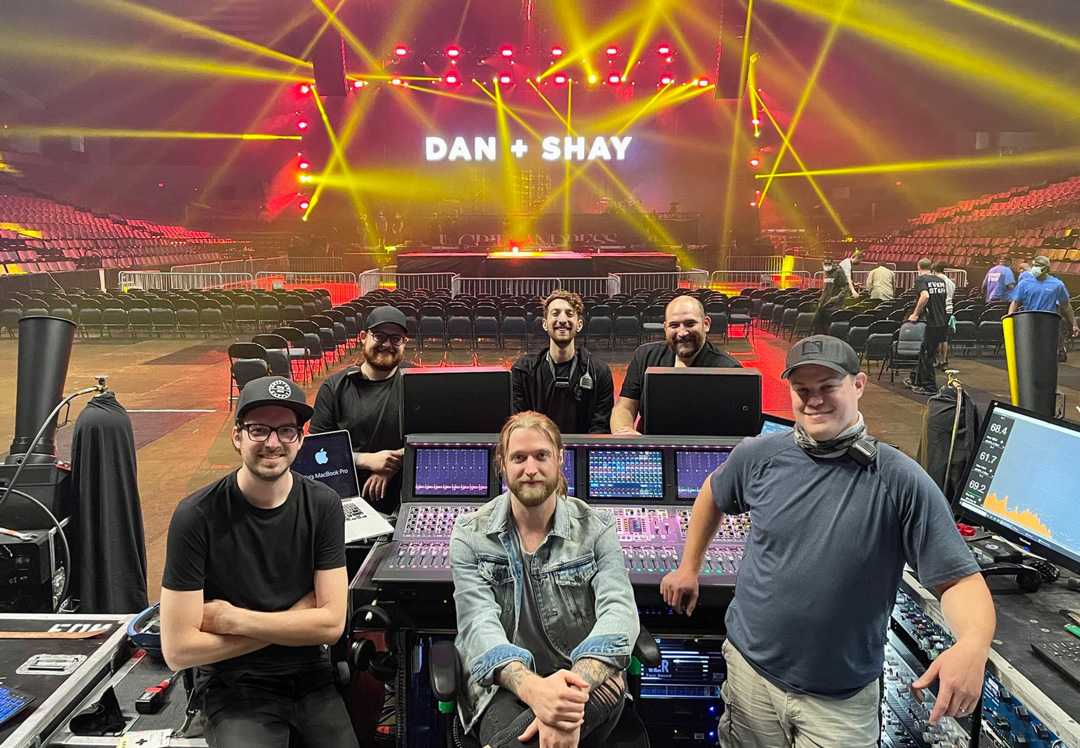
<point x="686" y="330"/>
<point x="999" y="281"/>
<point x="1024" y="272"/>
<point x="848" y="266"/>
<point x="942" y="355"/>
<point x="832" y="523"/>
<point x="545" y="613"/>
<point x="564" y="381"/>
<point x="835" y="291"/>
<point x="255" y="584"/>
<point x="1043" y="292"/>
<point x="929" y="309"/>
<point x="880" y="283"/>
<point x="365" y="400"/>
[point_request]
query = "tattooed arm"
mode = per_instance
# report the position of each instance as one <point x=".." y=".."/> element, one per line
<point x="514" y="678"/>
<point x="594" y="671"/>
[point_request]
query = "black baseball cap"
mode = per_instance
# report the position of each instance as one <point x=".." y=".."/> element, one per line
<point x="823" y="350"/>
<point x="274" y="391"/>
<point x="385" y="315"/>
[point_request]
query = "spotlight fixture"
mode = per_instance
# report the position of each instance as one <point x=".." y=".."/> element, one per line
<point x="506" y="51"/>
<point x="304" y="165"/>
<point x="593" y="79"/>
<point x="663" y="50"/>
<point x="396" y="82"/>
<point x="304" y="205"/>
<point x="614" y="79"/>
<point x="701" y="82"/>
<point x="556" y="51"/>
<point x="505" y="79"/>
<point x="451" y="79"/>
<point x="755" y="121"/>
<point x="612" y="51"/>
<point x="304" y="89"/>
<point x="453" y="52"/>
<point x="560" y="79"/>
<point x="358" y="84"/>
<point x="755" y="161"/>
<point x="666" y="80"/>
<point x="302" y="124"/>
<point x="401" y="50"/>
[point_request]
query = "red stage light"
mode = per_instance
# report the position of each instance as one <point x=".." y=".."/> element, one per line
<point x="401" y="50"/>
<point x="302" y="124"/>
<point x="451" y="79"/>
<point x="702" y="82"/>
<point x="505" y="79"/>
<point x="506" y="51"/>
<point x="556" y="51"/>
<point x="753" y="203"/>
<point x="304" y="204"/>
<point x="560" y="79"/>
<point x="304" y="89"/>
<point x="614" y="79"/>
<point x="755" y="162"/>
<point x="612" y="51"/>
<point x="515" y="247"/>
<point x="755" y="122"/>
<point x="396" y="82"/>
<point x="666" y="80"/>
<point x="304" y="165"/>
<point x="663" y="50"/>
<point x="453" y="52"/>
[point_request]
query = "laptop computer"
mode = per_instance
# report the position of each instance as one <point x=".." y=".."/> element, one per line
<point x="328" y="458"/>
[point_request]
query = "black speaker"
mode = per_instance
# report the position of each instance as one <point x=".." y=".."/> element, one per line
<point x="729" y="59"/>
<point x="703" y="401"/>
<point x="328" y="59"/>
<point x="465" y="400"/>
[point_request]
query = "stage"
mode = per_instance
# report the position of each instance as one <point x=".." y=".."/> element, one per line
<point x="535" y="264"/>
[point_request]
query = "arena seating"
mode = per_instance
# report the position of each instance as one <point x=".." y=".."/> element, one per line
<point x="1041" y="219"/>
<point x="38" y="234"/>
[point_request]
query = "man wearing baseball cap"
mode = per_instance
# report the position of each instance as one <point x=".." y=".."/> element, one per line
<point x="255" y="585"/>
<point x="365" y="400"/>
<point x="834" y="516"/>
<point x="1043" y="292"/>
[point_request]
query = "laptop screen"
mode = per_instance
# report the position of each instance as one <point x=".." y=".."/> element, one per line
<point x="328" y="458"/>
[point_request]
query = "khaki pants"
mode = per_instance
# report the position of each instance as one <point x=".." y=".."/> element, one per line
<point x="760" y="715"/>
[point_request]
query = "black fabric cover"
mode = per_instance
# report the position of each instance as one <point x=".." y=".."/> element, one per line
<point x="109" y="574"/>
<point x="937" y="434"/>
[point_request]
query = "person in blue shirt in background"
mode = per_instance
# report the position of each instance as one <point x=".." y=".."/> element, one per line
<point x="998" y="281"/>
<point x="1042" y="292"/>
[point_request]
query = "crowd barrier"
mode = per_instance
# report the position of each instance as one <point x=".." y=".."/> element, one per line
<point x="342" y="286"/>
<point x="534" y="287"/>
<point x="388" y="277"/>
<point x="153" y="281"/>
<point x="630" y="283"/>
<point x="902" y="279"/>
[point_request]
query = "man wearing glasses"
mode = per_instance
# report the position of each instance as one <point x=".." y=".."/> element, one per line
<point x="255" y="585"/>
<point x="365" y="400"/>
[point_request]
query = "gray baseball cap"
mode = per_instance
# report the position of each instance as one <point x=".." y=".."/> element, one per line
<point x="822" y="350"/>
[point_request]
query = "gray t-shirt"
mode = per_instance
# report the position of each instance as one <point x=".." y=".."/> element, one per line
<point x="827" y="546"/>
<point x="530" y="632"/>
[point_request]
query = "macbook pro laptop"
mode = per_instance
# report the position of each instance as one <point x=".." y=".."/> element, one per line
<point x="328" y="458"/>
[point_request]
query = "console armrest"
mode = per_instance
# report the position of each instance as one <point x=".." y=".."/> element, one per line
<point x="646" y="650"/>
<point x="445" y="669"/>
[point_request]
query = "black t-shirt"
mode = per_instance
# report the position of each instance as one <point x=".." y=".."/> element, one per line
<point x="257" y="559"/>
<point x="658" y="354"/>
<point x="370" y="410"/>
<point x="934" y="311"/>
<point x="581" y="407"/>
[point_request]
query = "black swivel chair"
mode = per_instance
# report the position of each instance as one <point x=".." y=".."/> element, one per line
<point x="447" y="677"/>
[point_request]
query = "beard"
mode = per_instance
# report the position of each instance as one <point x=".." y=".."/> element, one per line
<point x="534" y="493"/>
<point x="687" y="347"/>
<point x="383" y="360"/>
<point x="263" y="472"/>
<point x="562" y="336"/>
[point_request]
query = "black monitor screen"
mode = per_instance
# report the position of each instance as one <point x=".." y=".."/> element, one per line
<point x="568" y="472"/>
<point x="693" y="468"/>
<point x="626" y="473"/>
<point x="328" y="458"/>
<point x="451" y="471"/>
<point x="1024" y="481"/>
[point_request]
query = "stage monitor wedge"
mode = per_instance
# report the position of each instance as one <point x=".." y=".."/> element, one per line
<point x="455" y="400"/>
<point x="703" y="401"/>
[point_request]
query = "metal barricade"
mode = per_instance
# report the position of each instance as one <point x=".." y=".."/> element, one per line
<point x="535" y="287"/>
<point x="150" y="281"/>
<point x="739" y="279"/>
<point x="342" y="286"/>
<point x="204" y="267"/>
<point x="689" y="279"/>
<point x="388" y="277"/>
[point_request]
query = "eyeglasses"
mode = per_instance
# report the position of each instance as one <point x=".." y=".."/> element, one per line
<point x="260" y="432"/>
<point x="394" y="340"/>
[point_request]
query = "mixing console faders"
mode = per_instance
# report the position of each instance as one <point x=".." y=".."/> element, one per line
<point x="433" y="520"/>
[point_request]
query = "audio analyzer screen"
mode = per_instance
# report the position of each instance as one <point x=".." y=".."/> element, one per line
<point x="1024" y="480"/>
<point x="626" y="473"/>
<point x="451" y="471"/>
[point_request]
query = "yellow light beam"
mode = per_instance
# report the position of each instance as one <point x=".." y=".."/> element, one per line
<point x="567" y="13"/>
<point x="383" y="182"/>
<point x="813" y="182"/>
<point x="510" y="170"/>
<point x="1039" y="158"/>
<point x="684" y="45"/>
<point x="1047" y="34"/>
<point x="352" y="124"/>
<point x="568" y="193"/>
<point x="342" y="158"/>
<point x="387" y="77"/>
<point x="736" y="130"/>
<point x="500" y="106"/>
<point x="815" y="71"/>
<point x="656" y="9"/>
<point x="70" y="49"/>
<point x="347" y="34"/>
<point x="602" y="36"/>
<point x="61" y="131"/>
<point x="183" y="25"/>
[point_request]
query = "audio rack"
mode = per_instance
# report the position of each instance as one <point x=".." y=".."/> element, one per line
<point x="652" y="538"/>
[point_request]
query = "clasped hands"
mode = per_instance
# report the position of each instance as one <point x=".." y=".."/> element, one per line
<point x="558" y="701"/>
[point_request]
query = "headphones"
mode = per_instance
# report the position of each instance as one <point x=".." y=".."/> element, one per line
<point x="363" y="654"/>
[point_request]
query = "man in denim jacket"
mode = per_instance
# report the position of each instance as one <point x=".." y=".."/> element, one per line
<point x="546" y="615"/>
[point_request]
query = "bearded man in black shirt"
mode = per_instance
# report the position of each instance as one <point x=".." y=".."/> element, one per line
<point x="255" y="586"/>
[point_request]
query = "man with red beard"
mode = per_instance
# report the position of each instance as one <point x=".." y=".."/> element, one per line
<point x="255" y="584"/>
<point x="545" y="612"/>
<point x="564" y="381"/>
<point x="365" y="400"/>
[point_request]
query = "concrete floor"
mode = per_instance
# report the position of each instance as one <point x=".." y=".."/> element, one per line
<point x="189" y="446"/>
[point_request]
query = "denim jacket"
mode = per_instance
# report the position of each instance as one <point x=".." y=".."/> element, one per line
<point x="583" y="592"/>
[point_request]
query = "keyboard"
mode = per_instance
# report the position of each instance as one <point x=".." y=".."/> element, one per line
<point x="11" y="703"/>
<point x="1061" y="654"/>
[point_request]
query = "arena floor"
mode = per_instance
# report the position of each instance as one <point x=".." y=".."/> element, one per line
<point x="176" y="391"/>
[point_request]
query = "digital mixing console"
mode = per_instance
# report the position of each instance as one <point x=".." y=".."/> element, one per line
<point x="652" y="539"/>
<point x="905" y="721"/>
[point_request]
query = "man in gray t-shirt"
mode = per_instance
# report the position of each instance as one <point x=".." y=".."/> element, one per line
<point x="831" y="530"/>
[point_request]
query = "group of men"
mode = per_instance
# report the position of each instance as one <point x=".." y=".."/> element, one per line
<point x="1035" y="288"/>
<point x="255" y="587"/>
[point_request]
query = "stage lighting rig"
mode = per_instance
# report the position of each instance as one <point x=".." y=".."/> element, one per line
<point x="451" y="79"/>
<point x="556" y="51"/>
<point x="304" y="89"/>
<point x="506" y="51"/>
<point x="612" y="51"/>
<point x="664" y="50"/>
<point x="401" y="51"/>
<point x="302" y="124"/>
<point x="614" y="79"/>
<point x="453" y="52"/>
<point x="560" y="79"/>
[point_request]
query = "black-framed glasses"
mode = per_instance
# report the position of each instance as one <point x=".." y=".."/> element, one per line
<point x="382" y="338"/>
<point x="260" y="432"/>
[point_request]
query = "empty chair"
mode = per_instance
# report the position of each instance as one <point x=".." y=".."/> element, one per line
<point x="598" y="330"/>
<point x="10" y="316"/>
<point x="459" y="328"/>
<point x="89" y="316"/>
<point x="277" y="353"/>
<point x="486" y="326"/>
<point x="336" y="340"/>
<point x="803" y="323"/>
<point x="317" y="338"/>
<point x="514" y="327"/>
<point x="268" y="313"/>
<point x="247" y="361"/>
<point x="652" y="322"/>
<point x="879" y="340"/>
<point x="989" y="331"/>
<point x="858" y="329"/>
<point x="211" y="319"/>
<point x="304" y="349"/>
<point x="162" y="317"/>
<point x="187" y="316"/>
<point x="113" y="317"/>
<point x="431" y="328"/>
<point x="905" y="350"/>
<point x="140" y="318"/>
<point x="626" y="327"/>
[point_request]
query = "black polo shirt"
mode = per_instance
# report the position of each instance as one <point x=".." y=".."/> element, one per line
<point x="370" y="411"/>
<point x="658" y="354"/>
